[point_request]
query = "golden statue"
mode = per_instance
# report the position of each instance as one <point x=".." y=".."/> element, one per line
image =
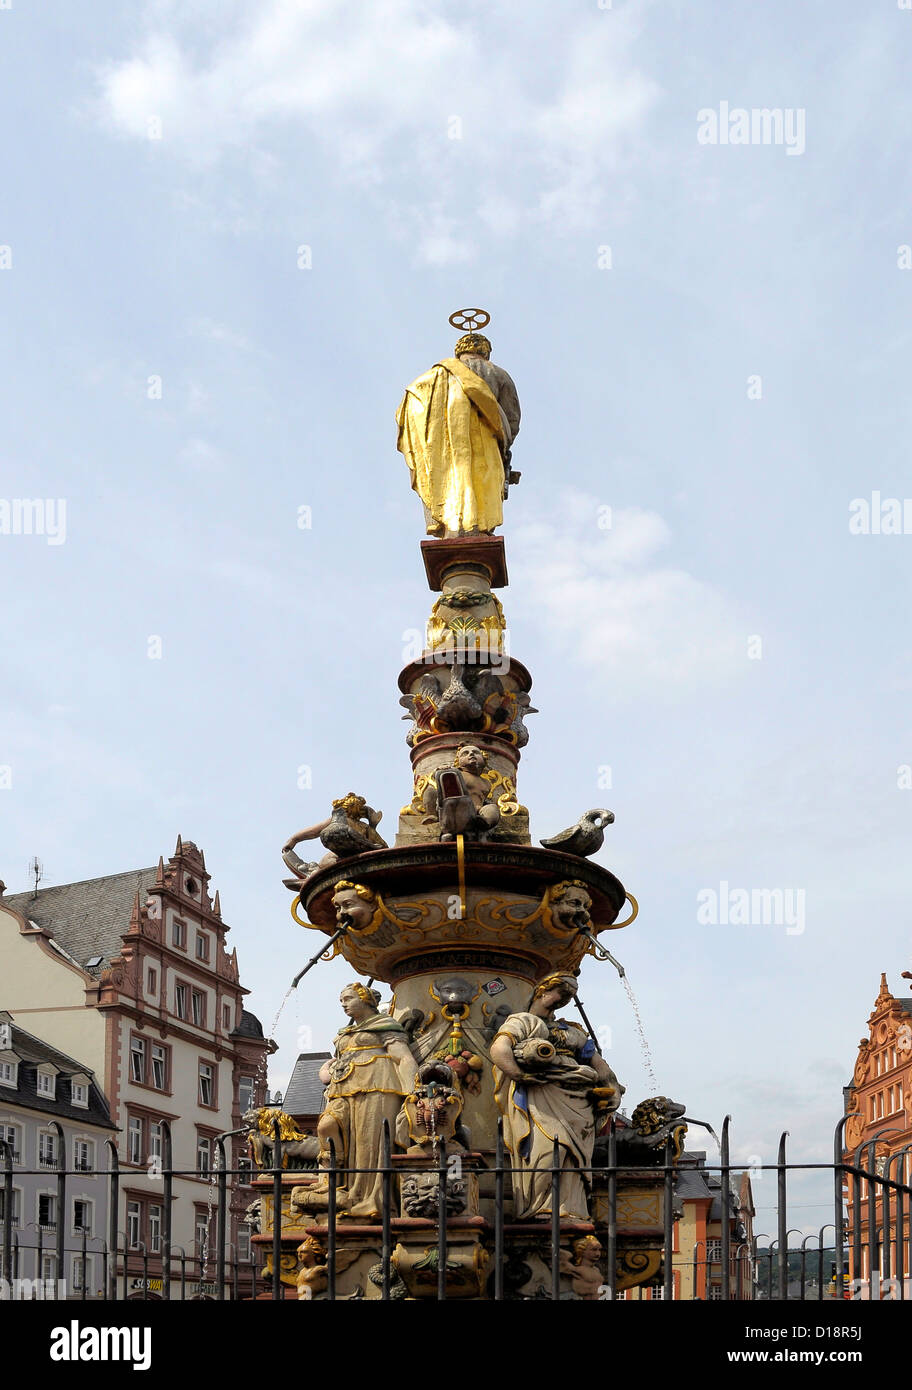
<point x="457" y="423"/>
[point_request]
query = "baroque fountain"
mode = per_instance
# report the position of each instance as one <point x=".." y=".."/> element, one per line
<point x="471" y="1143"/>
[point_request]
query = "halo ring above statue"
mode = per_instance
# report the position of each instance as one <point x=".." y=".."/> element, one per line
<point x="468" y="320"/>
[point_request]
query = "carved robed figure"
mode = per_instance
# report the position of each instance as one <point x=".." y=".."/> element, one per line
<point x="550" y="1083"/>
<point x="457" y="423"/>
<point x="371" y="1072"/>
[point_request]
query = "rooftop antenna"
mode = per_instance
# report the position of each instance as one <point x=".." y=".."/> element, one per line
<point x="36" y="869"/>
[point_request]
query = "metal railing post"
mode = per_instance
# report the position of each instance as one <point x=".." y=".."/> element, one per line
<point x="113" y="1200"/>
<point x="167" y="1204"/>
<point x="725" y="1197"/>
<point x="783" y="1217"/>
<point x="386" y="1253"/>
<point x="555" y="1222"/>
<point x="276" y="1210"/>
<point x="499" y="1213"/>
<point x="331" y="1226"/>
<point x="442" y="1175"/>
<point x="6" y="1152"/>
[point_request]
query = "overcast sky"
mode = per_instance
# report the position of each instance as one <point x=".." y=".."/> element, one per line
<point x="236" y="232"/>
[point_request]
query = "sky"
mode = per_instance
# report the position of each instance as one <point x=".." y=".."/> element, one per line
<point x="231" y="234"/>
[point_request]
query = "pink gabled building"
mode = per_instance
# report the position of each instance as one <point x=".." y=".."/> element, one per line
<point x="131" y="973"/>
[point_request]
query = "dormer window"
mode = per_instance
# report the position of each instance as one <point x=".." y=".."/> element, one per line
<point x="46" y="1082"/>
<point x="9" y="1071"/>
<point x="80" y="1092"/>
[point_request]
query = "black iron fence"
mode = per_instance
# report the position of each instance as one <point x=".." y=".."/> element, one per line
<point x="865" y="1252"/>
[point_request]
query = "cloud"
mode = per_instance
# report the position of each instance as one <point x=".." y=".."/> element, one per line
<point x="609" y="603"/>
<point x="435" y="111"/>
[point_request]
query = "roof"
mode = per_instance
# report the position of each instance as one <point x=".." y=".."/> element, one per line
<point x="32" y="1052"/>
<point x="304" y="1093"/>
<point x="249" y="1026"/>
<point x="88" y="918"/>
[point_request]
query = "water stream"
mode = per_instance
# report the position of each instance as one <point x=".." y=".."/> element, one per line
<point x="647" y="1054"/>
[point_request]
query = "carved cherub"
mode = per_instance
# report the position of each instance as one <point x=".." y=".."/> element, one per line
<point x="582" y="1268"/>
<point x="460" y="798"/>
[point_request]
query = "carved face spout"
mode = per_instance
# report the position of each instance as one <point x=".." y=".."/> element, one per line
<point x="351" y="909"/>
<point x="572" y="908"/>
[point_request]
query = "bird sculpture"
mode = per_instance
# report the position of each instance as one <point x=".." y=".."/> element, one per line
<point x="584" y="838"/>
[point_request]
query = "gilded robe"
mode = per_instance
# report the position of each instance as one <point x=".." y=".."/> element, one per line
<point x="366" y="1088"/>
<point x="554" y="1107"/>
<point x="451" y="429"/>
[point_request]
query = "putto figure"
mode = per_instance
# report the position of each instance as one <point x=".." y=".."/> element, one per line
<point x="457" y="423"/>
<point x="460" y="798"/>
<point x="550" y="1083"/>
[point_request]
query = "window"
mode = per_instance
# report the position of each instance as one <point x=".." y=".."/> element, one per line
<point x="714" y="1251"/>
<point x="82" y="1273"/>
<point x="15" y="1204"/>
<point x="202" y="1234"/>
<point x="83" y="1155"/>
<point x="47" y="1150"/>
<point x="138" y="1059"/>
<point x="226" y="1017"/>
<point x="135" y="1140"/>
<point x="180" y="1000"/>
<point x="47" y="1211"/>
<point x="134" y="1215"/>
<point x="151" y="981"/>
<point x="155" y="1229"/>
<point x="198" y="1008"/>
<point x="202" y="946"/>
<point x="203" y="1156"/>
<point x="714" y="1293"/>
<point x="82" y="1216"/>
<point x="46" y="1083"/>
<point x="657" y="1292"/>
<point x="80" y="1095"/>
<point x="246" y="1092"/>
<point x="155" y="1140"/>
<point x="179" y="934"/>
<point x="243" y="1243"/>
<point x="243" y="1167"/>
<point x="207" y="1084"/>
<point x="9" y="1073"/>
<point x="159" y="1067"/>
<point x="48" y="1268"/>
<point x="12" y="1135"/>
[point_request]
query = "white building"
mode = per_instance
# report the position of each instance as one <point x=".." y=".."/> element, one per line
<point x="51" y="1107"/>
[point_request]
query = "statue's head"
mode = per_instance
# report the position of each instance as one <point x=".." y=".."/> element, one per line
<point x="471" y="757"/>
<point x="355" y="904"/>
<point x="586" y="1250"/>
<point x="357" y="999"/>
<point x="352" y="804"/>
<point x="473" y="345"/>
<point x="561" y="985"/>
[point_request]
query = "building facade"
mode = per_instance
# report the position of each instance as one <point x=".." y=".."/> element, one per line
<point x="52" y="1108"/>
<point x="132" y="973"/>
<point x="878" y="1131"/>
